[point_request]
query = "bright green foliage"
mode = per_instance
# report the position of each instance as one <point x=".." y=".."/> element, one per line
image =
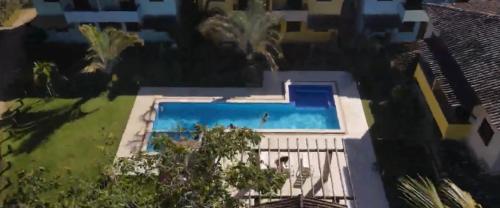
<point x="106" y="46"/>
<point x="7" y="9"/>
<point x="422" y="193"/>
<point x="43" y="76"/>
<point x="182" y="174"/>
<point x="253" y="31"/>
<point x="199" y="174"/>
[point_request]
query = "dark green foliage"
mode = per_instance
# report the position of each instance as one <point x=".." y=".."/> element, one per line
<point x="29" y="187"/>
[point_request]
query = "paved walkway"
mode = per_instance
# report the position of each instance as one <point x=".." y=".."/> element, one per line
<point x="360" y="157"/>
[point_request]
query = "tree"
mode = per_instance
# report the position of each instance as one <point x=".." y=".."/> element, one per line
<point x="199" y="174"/>
<point x="106" y="46"/>
<point x="7" y="9"/>
<point x="253" y="32"/>
<point x="44" y="74"/>
<point x="422" y="193"/>
<point x="186" y="173"/>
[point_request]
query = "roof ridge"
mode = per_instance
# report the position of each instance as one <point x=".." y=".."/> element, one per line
<point x="451" y="6"/>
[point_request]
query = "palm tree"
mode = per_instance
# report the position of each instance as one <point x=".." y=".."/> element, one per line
<point x="43" y="73"/>
<point x="253" y="32"/>
<point x="106" y="46"/>
<point x="422" y="193"/>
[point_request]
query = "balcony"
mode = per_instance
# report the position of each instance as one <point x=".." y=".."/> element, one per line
<point x="78" y="14"/>
<point x="289" y="5"/>
<point x="413" y="5"/>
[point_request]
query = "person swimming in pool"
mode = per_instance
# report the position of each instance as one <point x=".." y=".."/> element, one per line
<point x="264" y="119"/>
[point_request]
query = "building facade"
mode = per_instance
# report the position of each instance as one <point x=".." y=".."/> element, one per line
<point x="398" y="20"/>
<point x="459" y="76"/>
<point x="149" y="18"/>
<point x="301" y="20"/>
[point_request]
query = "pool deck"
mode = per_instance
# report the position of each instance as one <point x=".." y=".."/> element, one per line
<point x="367" y="187"/>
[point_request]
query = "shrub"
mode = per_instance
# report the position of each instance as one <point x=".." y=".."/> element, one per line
<point x="7" y="9"/>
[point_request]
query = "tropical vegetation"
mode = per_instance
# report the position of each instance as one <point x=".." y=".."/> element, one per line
<point x="65" y="135"/>
<point x="8" y="9"/>
<point x="106" y="46"/>
<point x="253" y="31"/>
<point x="422" y="193"/>
<point x="183" y="173"/>
<point x="44" y="75"/>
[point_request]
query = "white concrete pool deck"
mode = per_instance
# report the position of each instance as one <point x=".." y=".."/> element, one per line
<point x="367" y="185"/>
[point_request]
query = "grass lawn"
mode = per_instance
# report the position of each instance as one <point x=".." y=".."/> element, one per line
<point x="64" y="135"/>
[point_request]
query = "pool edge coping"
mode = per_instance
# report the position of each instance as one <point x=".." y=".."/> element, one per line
<point x="286" y="96"/>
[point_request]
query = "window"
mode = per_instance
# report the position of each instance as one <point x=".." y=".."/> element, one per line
<point x="105" y="25"/>
<point x="293" y="26"/>
<point x="132" y="26"/>
<point x="407" y="27"/>
<point x="62" y="29"/>
<point x="88" y="23"/>
<point x="485" y="132"/>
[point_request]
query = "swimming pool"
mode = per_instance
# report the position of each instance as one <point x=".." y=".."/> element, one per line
<point x="311" y="107"/>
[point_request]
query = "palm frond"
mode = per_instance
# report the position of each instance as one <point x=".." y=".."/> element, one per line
<point x="106" y="46"/>
<point x="252" y="30"/>
<point x="456" y="197"/>
<point x="220" y="29"/>
<point x="420" y="193"/>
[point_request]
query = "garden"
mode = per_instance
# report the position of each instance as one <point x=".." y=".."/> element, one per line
<point x="63" y="126"/>
<point x="70" y="106"/>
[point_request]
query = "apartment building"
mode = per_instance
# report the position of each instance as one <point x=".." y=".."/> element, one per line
<point x="458" y="74"/>
<point x="149" y="18"/>
<point x="398" y="20"/>
<point x="301" y="20"/>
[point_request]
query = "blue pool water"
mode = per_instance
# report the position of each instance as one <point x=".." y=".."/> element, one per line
<point x="310" y="107"/>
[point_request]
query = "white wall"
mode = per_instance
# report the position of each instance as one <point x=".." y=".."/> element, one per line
<point x="374" y="7"/>
<point x="47" y="8"/>
<point x="101" y="16"/>
<point x="490" y="154"/>
<point x="165" y="7"/>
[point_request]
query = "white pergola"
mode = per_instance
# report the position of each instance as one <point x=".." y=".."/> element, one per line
<point x="317" y="168"/>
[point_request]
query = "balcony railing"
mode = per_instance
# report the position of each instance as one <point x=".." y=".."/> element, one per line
<point x="107" y="15"/>
<point x="123" y="6"/>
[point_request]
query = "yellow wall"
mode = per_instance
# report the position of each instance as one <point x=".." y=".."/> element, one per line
<point x="315" y="7"/>
<point x="332" y="7"/>
<point x="452" y="131"/>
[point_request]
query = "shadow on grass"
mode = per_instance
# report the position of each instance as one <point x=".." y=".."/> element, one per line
<point x="34" y="128"/>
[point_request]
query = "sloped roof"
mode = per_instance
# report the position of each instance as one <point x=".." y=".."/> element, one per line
<point x="431" y="63"/>
<point x="485" y="6"/>
<point x="472" y="39"/>
<point x="300" y="202"/>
